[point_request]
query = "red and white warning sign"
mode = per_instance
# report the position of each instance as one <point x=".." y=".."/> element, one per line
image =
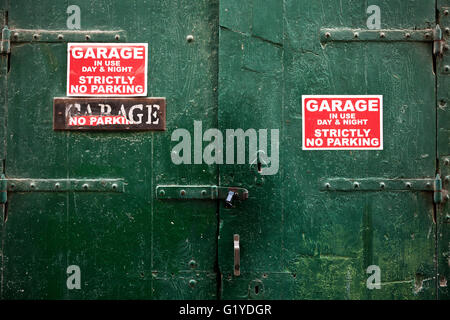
<point x="338" y="122"/>
<point x="107" y="69"/>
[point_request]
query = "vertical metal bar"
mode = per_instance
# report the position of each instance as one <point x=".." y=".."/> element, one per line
<point x="237" y="258"/>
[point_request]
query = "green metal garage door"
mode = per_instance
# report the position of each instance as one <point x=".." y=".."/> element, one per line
<point x="160" y="214"/>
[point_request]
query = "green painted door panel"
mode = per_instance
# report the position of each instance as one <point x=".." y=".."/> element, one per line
<point x="296" y="241"/>
<point x="127" y="245"/>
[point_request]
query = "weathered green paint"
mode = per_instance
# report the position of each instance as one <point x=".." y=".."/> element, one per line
<point x="321" y="243"/>
<point x="298" y="239"/>
<point x="127" y="245"/>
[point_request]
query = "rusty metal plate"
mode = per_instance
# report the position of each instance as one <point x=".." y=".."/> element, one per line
<point x="134" y="114"/>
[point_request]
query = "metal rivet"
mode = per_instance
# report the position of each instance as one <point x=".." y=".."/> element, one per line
<point x="85" y="186"/>
<point x="446" y="12"/>
<point x="32" y="185"/>
<point x="428" y="185"/>
<point x="447" y="197"/>
<point x="203" y="192"/>
<point x="117" y="37"/>
<point x="16" y="35"/>
<point x="408" y="185"/>
<point x="327" y="185"/>
<point x="35" y="36"/>
<point x="427" y="35"/>
<point x="114" y="186"/>
<point x="356" y="185"/>
<point x="13" y="186"/>
<point x="382" y="185"/>
<point x="190" y="38"/>
<point x="447" y="179"/>
<point x="327" y="35"/>
<point x="192" y="283"/>
<point x="382" y="35"/>
<point x="88" y="37"/>
<point x="447" y="68"/>
<point x="446" y="161"/>
<point x="57" y="185"/>
<point x="162" y="192"/>
<point x="192" y="264"/>
<point x="447" y="30"/>
<point x="408" y="35"/>
<point x="60" y="36"/>
<point x="356" y="35"/>
<point x="183" y="192"/>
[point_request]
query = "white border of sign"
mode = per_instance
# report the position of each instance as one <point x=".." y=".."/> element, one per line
<point x="342" y="96"/>
<point x="70" y="44"/>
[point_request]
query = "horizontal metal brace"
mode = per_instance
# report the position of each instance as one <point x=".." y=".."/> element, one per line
<point x="188" y="192"/>
<point x="64" y="185"/>
<point x="38" y="35"/>
<point x="358" y="35"/>
<point x="377" y="184"/>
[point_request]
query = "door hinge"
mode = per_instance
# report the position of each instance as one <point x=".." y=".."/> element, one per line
<point x="382" y="184"/>
<point x="438" y="41"/>
<point x="5" y="42"/>
<point x="440" y="194"/>
<point x="58" y="185"/>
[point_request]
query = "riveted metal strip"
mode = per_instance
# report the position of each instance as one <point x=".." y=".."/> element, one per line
<point x="377" y="184"/>
<point x="205" y="192"/>
<point x="358" y="35"/>
<point x="30" y="35"/>
<point x="64" y="185"/>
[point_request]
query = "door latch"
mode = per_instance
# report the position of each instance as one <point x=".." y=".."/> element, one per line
<point x="237" y="257"/>
<point x="183" y="192"/>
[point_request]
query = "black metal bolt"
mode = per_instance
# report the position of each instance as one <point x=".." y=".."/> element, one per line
<point x="190" y="38"/>
<point x="88" y="37"/>
<point x="60" y="37"/>
<point x="382" y="35"/>
<point x="117" y="37"/>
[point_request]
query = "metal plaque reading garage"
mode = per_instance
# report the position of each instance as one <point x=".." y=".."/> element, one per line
<point x="138" y="114"/>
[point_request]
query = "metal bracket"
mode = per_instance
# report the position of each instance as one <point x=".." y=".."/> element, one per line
<point x="386" y="35"/>
<point x="381" y="184"/>
<point x="188" y="192"/>
<point x="58" y="185"/>
<point x="41" y="35"/>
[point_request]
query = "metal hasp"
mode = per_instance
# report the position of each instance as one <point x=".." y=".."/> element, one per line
<point x="183" y="192"/>
<point x="381" y="184"/>
<point x="237" y="256"/>
<point x="58" y="185"/>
